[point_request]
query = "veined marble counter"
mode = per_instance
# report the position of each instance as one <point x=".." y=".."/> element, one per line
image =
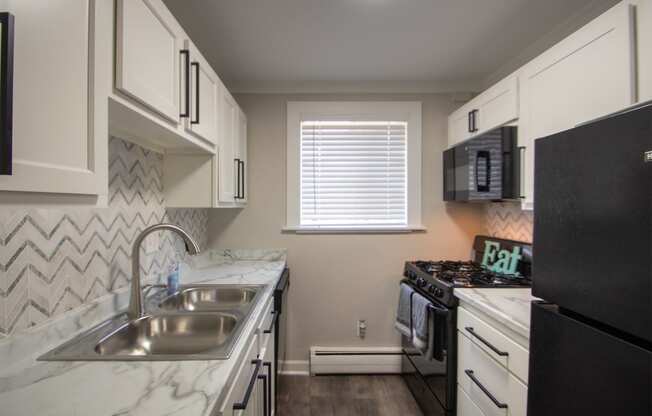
<point x="29" y="387"/>
<point x="510" y="307"/>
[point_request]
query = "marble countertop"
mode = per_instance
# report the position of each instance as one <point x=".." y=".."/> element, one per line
<point x="29" y="387"/>
<point x="510" y="307"/>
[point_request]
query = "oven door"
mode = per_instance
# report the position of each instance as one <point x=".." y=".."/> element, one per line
<point x="433" y="382"/>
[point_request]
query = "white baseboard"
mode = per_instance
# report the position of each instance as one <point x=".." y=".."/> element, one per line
<point x="295" y="368"/>
<point x="369" y="360"/>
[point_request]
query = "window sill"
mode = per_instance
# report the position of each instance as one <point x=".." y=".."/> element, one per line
<point x="361" y="230"/>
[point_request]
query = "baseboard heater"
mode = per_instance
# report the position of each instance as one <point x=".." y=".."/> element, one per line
<point x="374" y="360"/>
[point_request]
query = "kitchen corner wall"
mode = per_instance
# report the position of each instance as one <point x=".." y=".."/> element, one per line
<point x="53" y="260"/>
<point x="507" y="220"/>
<point x="338" y="279"/>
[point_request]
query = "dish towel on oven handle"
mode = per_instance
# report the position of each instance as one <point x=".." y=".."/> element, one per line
<point x="422" y="322"/>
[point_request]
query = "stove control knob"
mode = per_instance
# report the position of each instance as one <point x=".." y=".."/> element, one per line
<point x="432" y="289"/>
<point x="421" y="282"/>
<point x="439" y="293"/>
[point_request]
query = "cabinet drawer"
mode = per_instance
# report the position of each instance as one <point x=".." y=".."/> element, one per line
<point x="238" y="386"/>
<point x="477" y="371"/>
<point x="465" y="406"/>
<point x="507" y="352"/>
<point x="266" y="324"/>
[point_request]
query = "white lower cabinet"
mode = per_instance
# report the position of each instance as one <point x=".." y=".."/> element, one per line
<point x="251" y="393"/>
<point x="491" y="368"/>
<point x="465" y="405"/>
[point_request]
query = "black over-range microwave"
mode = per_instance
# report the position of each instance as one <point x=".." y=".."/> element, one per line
<point x="484" y="168"/>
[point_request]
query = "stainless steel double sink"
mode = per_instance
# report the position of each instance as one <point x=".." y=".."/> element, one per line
<point x="199" y="322"/>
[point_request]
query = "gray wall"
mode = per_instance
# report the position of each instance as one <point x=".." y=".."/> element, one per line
<point x="337" y="279"/>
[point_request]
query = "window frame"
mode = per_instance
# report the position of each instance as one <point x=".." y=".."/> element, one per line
<point x="407" y="111"/>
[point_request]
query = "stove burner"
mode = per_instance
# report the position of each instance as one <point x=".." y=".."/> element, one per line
<point x="468" y="274"/>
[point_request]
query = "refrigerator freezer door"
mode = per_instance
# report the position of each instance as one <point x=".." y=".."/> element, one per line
<point x="576" y="369"/>
<point x="593" y="221"/>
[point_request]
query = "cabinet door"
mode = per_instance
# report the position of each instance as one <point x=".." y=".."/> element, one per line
<point x="227" y="148"/>
<point x="644" y="48"/>
<point x="238" y="387"/>
<point x="203" y="96"/>
<point x="498" y="105"/>
<point x="587" y="75"/>
<point x="241" y="155"/>
<point x="56" y="148"/>
<point x="459" y="126"/>
<point x="270" y="371"/>
<point x="148" y="43"/>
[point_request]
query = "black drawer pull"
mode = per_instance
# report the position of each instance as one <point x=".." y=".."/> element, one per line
<point x="268" y="366"/>
<point x="271" y="326"/>
<point x="252" y="383"/>
<point x="265" y="397"/>
<point x="498" y="404"/>
<point x="471" y="331"/>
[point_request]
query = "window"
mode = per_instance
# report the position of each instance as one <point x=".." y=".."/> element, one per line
<point x="354" y="166"/>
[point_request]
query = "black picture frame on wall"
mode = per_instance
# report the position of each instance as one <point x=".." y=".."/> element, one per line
<point x="6" y="91"/>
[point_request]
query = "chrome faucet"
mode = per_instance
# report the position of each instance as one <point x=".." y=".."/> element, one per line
<point x="136" y="309"/>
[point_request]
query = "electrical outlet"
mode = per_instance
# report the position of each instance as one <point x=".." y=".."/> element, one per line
<point x="362" y="328"/>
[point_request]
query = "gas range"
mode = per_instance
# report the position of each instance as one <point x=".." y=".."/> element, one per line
<point x="440" y="278"/>
<point x="494" y="262"/>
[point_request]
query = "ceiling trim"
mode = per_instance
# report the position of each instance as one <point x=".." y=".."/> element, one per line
<point x="337" y="87"/>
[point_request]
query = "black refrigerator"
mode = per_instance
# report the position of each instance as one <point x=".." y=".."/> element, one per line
<point x="591" y="336"/>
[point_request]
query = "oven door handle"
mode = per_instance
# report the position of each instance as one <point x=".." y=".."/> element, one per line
<point x="440" y="323"/>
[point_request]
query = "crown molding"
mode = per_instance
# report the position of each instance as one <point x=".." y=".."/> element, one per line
<point x="345" y="87"/>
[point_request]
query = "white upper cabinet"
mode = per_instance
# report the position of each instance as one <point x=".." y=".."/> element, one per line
<point x="495" y="107"/>
<point x="644" y="48"/>
<point x="241" y="156"/>
<point x="59" y="107"/>
<point x="148" y="44"/>
<point x="585" y="76"/>
<point x="227" y="163"/>
<point x="203" y="85"/>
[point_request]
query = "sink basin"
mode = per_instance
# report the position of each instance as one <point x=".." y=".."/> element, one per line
<point x="169" y="335"/>
<point x="209" y="298"/>
<point x="200" y="322"/>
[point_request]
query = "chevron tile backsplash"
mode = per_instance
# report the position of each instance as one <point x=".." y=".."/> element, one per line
<point x="53" y="260"/>
<point x="507" y="220"/>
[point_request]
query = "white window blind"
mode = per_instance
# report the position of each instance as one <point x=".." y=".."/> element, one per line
<point x="353" y="174"/>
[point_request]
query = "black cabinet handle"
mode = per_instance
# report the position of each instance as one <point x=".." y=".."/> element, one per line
<point x="237" y="179"/>
<point x="470" y="121"/>
<point x="242" y="181"/>
<point x="196" y="66"/>
<point x="271" y="326"/>
<point x="474" y="118"/>
<point x="265" y="395"/>
<point x="498" y="404"/>
<point x="521" y="164"/>
<point x="471" y="331"/>
<point x="186" y="81"/>
<point x="252" y="383"/>
<point x="268" y="402"/>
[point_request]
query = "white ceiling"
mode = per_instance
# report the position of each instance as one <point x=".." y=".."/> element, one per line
<point x="285" y="43"/>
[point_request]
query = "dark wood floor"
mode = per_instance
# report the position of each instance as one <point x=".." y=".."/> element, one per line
<point x="363" y="395"/>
